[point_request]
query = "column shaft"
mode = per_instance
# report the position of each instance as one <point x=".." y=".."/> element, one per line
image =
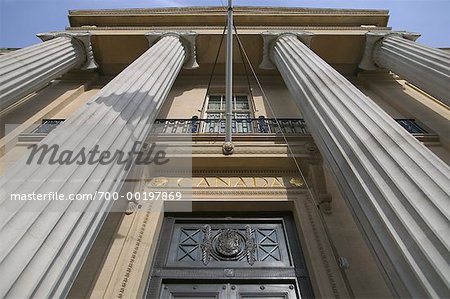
<point x="425" y="67"/>
<point x="26" y="70"/>
<point x="43" y="246"/>
<point x="397" y="189"/>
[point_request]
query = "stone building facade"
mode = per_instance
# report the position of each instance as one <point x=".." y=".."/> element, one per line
<point x="338" y="185"/>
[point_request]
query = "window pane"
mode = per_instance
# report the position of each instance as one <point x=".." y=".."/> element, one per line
<point x="214" y="103"/>
<point x="242" y="103"/>
<point x="242" y="115"/>
<point x="212" y="115"/>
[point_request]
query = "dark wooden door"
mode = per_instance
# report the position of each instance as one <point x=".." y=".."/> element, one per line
<point x="228" y="257"/>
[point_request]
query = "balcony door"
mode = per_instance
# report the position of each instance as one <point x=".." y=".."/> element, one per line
<point x="228" y="257"/>
<point x="215" y="114"/>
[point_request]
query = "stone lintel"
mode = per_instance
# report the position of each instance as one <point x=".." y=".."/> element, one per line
<point x="269" y="40"/>
<point x="83" y="39"/>
<point x="373" y="38"/>
<point x="187" y="38"/>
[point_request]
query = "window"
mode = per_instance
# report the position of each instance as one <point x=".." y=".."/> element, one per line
<point x="216" y="115"/>
<point x="48" y="125"/>
<point x="411" y="126"/>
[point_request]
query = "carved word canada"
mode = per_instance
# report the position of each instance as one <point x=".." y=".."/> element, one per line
<point x="226" y="182"/>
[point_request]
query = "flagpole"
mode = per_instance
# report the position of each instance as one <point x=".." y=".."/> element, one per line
<point x="228" y="146"/>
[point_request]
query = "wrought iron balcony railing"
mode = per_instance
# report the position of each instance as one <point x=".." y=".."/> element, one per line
<point x="252" y="125"/>
<point x="240" y="126"/>
<point x="411" y="126"/>
<point x="48" y="125"/>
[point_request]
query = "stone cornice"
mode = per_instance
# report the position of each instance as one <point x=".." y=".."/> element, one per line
<point x="237" y="9"/>
<point x="373" y="41"/>
<point x="82" y="39"/>
<point x="215" y="16"/>
<point x="187" y="38"/>
<point x="177" y="28"/>
<point x="271" y="37"/>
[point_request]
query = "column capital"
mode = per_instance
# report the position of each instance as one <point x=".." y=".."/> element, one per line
<point x="83" y="39"/>
<point x="373" y="40"/>
<point x="187" y="38"/>
<point x="269" y="40"/>
<point x="29" y="69"/>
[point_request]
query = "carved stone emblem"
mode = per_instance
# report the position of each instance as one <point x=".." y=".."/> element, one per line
<point x="159" y="182"/>
<point x="298" y="182"/>
<point x="229" y="243"/>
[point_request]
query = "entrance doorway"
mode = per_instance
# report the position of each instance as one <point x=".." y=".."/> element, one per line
<point x="228" y="257"/>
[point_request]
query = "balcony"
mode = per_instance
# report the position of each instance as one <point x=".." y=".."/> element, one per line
<point x="239" y="126"/>
<point x="47" y="126"/>
<point x="215" y="128"/>
<point x="254" y="126"/>
<point x="411" y="126"/>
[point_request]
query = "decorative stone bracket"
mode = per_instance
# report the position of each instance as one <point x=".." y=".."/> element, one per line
<point x="271" y="37"/>
<point x="187" y="39"/>
<point x="373" y="41"/>
<point x="82" y="39"/>
<point x="325" y="203"/>
<point x="316" y="177"/>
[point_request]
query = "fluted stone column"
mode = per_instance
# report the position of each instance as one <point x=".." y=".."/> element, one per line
<point x="397" y="189"/>
<point x="44" y="245"/>
<point x="26" y="70"/>
<point x="425" y="67"/>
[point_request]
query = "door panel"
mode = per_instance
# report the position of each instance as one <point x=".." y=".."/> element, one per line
<point x="228" y="291"/>
<point x="228" y="257"/>
<point x="238" y="244"/>
<point x="193" y="291"/>
<point x="266" y="291"/>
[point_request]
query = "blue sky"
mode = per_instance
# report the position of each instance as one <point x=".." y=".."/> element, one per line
<point x="20" y="20"/>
